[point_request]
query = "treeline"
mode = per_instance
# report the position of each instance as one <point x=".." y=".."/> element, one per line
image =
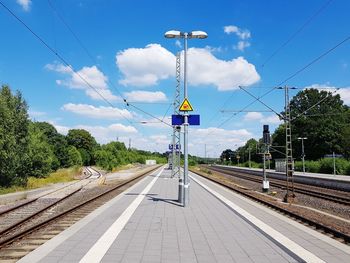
<point x="318" y="115"/>
<point x="36" y="148"/>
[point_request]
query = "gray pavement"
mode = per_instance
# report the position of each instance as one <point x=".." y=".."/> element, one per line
<point x="153" y="227"/>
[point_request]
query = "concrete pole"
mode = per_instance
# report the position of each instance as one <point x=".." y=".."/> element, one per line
<point x="303" y="153"/>
<point x="334" y="170"/>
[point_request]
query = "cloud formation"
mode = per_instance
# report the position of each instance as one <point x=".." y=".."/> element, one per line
<point x="205" y="69"/>
<point x="343" y="92"/>
<point x="102" y="134"/>
<point x="242" y="34"/>
<point x="253" y="116"/>
<point x="89" y="79"/>
<point x="217" y="140"/>
<point x="108" y="113"/>
<point x="25" y="4"/>
<point x="145" y="66"/>
<point x="145" y="96"/>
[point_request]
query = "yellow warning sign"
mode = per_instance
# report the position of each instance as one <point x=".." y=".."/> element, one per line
<point x="186" y="106"/>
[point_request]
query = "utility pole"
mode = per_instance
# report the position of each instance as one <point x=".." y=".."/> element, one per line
<point x="266" y="141"/>
<point x="289" y="156"/>
<point x="176" y="152"/>
<point x="129" y="143"/>
<point x="205" y="154"/>
<point x="302" y="151"/>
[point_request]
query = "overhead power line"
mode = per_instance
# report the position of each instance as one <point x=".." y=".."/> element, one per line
<point x="307" y="22"/>
<point x="128" y="103"/>
<point x="65" y="62"/>
<point x="290" y="77"/>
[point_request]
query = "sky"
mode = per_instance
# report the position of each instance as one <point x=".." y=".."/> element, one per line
<point x="96" y="53"/>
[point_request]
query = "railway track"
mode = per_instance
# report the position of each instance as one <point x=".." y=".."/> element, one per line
<point x="18" y="239"/>
<point x="322" y="193"/>
<point x="323" y="227"/>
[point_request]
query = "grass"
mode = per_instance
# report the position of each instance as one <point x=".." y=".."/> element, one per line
<point x="60" y="176"/>
<point x="123" y="167"/>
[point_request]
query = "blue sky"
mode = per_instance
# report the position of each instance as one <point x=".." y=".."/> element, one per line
<point x="122" y="53"/>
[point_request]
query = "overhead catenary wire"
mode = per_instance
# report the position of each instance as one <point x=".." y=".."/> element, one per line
<point x="307" y="22"/>
<point x="65" y="62"/>
<point x="60" y="57"/>
<point x="290" y="77"/>
<point x="128" y="103"/>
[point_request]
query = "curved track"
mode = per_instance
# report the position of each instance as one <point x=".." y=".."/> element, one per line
<point x="45" y="228"/>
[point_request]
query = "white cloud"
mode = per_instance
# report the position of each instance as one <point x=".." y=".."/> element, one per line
<point x="102" y="134"/>
<point x="145" y="96"/>
<point x="216" y="140"/>
<point x="272" y="119"/>
<point x="145" y="66"/>
<point x="98" y="112"/>
<point x="34" y="114"/>
<point x="25" y="4"/>
<point x="241" y="45"/>
<point x="257" y="116"/>
<point x="253" y="116"/>
<point x="206" y="69"/>
<point x="242" y="34"/>
<point x="178" y="43"/>
<point x="343" y="92"/>
<point x="90" y="79"/>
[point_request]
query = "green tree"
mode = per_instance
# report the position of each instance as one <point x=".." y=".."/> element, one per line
<point x="84" y="142"/>
<point x="41" y="156"/>
<point x="57" y="141"/>
<point x="14" y="138"/>
<point x="321" y="117"/>
<point x="74" y="157"/>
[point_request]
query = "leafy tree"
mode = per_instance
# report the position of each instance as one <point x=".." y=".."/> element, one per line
<point x="84" y="142"/>
<point x="319" y="116"/>
<point x="74" y="157"/>
<point x="57" y="141"/>
<point x="41" y="156"/>
<point x="14" y="138"/>
<point x="227" y="155"/>
<point x="250" y="146"/>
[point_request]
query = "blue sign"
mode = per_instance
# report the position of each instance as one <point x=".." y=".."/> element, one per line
<point x="193" y="119"/>
<point x="177" y="119"/>
<point x="171" y="146"/>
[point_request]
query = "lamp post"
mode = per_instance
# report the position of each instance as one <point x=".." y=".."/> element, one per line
<point x="185" y="35"/>
<point x="302" y="151"/>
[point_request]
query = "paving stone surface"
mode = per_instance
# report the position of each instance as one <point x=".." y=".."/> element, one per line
<point x="161" y="230"/>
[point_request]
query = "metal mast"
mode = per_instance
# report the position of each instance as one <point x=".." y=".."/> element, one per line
<point x="176" y="151"/>
<point x="289" y="157"/>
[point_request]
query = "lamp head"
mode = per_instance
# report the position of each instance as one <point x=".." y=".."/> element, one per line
<point x="173" y="34"/>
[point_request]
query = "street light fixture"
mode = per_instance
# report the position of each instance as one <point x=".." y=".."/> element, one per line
<point x="302" y="151"/>
<point x="185" y="35"/>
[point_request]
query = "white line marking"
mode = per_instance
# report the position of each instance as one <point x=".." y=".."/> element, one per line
<point x="99" y="249"/>
<point x="304" y="254"/>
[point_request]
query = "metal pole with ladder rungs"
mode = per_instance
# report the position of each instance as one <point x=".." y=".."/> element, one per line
<point x="289" y="156"/>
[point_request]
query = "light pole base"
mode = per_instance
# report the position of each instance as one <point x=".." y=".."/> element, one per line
<point x="289" y="198"/>
<point x="266" y="186"/>
<point x="186" y="193"/>
<point x="180" y="192"/>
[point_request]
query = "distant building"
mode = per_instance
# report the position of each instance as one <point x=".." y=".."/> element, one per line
<point x="151" y="162"/>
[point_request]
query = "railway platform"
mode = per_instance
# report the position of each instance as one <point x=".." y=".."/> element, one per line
<point x="146" y="224"/>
